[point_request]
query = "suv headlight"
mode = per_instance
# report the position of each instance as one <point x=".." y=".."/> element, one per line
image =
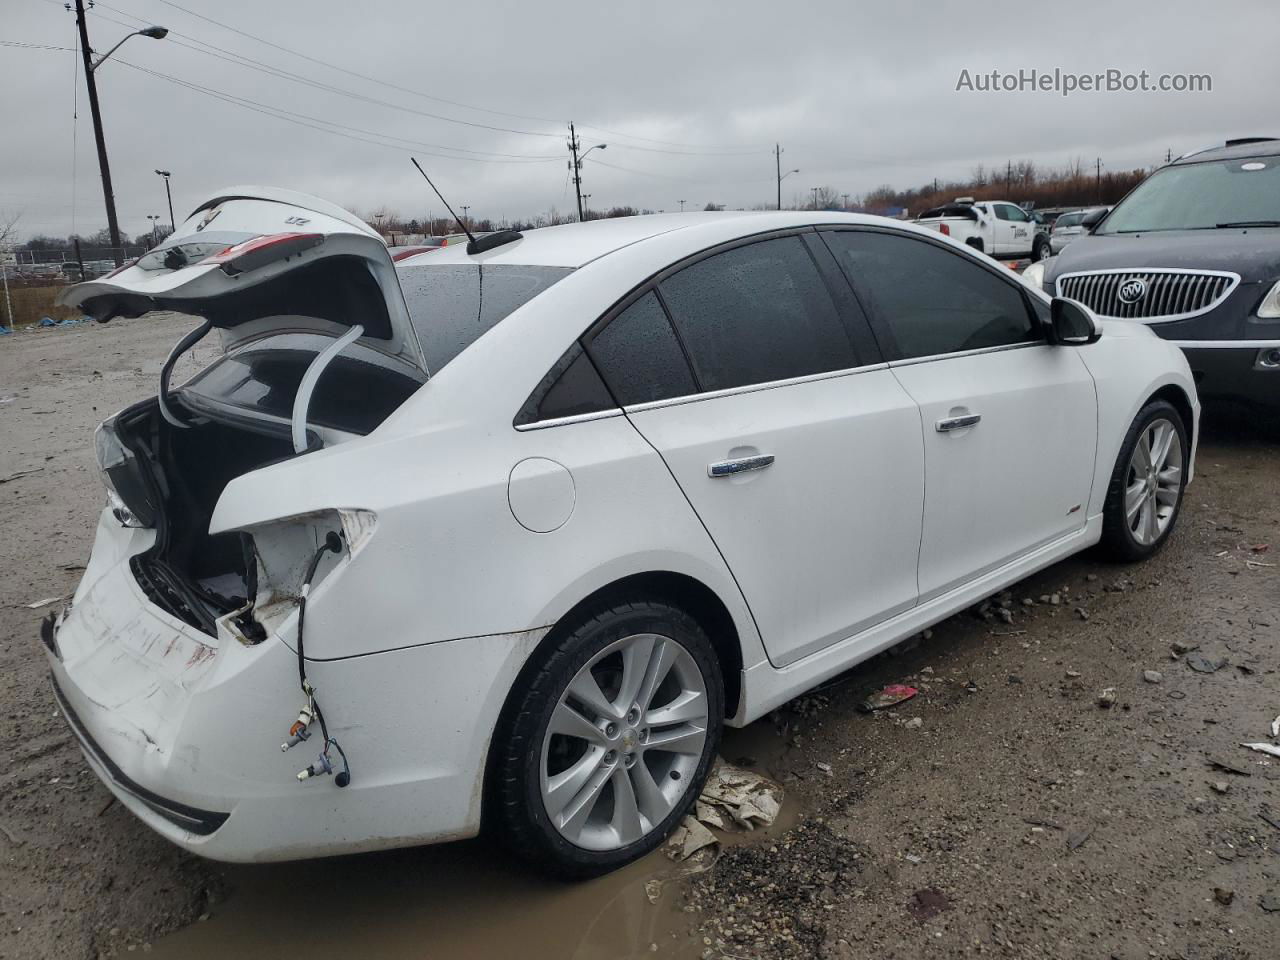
<point x="1034" y="275"/>
<point x="1269" y="309"/>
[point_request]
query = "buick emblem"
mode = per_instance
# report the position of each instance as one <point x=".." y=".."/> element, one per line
<point x="1131" y="291"/>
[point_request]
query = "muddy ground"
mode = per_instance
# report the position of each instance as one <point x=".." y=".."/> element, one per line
<point x="1016" y="818"/>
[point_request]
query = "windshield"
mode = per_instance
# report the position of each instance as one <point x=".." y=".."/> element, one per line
<point x="452" y="304"/>
<point x="1201" y="196"/>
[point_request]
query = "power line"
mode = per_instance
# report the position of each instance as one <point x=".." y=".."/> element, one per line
<point x="691" y="148"/>
<point x="316" y="123"/>
<point x="298" y="78"/>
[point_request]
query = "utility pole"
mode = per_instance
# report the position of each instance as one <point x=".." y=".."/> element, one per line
<point x="1168" y="155"/>
<point x="845" y="197"/>
<point x="113" y="226"/>
<point x="465" y="222"/>
<point x="154" y="218"/>
<point x="815" y="197"/>
<point x="165" y="173"/>
<point x="1098" y="165"/>
<point x="1008" y="177"/>
<point x="681" y="202"/>
<point x="777" y="167"/>
<point x="576" y="166"/>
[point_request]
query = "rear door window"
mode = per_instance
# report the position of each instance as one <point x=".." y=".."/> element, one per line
<point x="640" y="357"/>
<point x="931" y="300"/>
<point x="756" y="314"/>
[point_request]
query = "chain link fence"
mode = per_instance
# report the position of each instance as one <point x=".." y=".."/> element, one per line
<point x="32" y="279"/>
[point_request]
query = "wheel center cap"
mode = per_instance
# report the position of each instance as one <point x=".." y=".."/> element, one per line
<point x="630" y="738"/>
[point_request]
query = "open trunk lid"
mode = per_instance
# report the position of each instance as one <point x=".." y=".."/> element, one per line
<point x="260" y="260"/>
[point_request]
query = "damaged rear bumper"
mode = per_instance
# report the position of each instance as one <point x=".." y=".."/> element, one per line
<point x="186" y="729"/>
<point x="185" y="817"/>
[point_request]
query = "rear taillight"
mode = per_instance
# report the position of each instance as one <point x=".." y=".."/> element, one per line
<point x="944" y="229"/>
<point x="255" y="253"/>
<point x="128" y="493"/>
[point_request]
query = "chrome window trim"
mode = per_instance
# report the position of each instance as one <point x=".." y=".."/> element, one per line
<point x="753" y="388"/>
<point x="1164" y="317"/>
<point x="565" y="421"/>
<point x="978" y="351"/>
<point x="1227" y="344"/>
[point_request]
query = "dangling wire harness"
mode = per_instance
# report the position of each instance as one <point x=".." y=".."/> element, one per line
<point x="311" y="709"/>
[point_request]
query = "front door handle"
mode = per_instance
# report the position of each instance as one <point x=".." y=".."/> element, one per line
<point x="729" y="468"/>
<point x="955" y="423"/>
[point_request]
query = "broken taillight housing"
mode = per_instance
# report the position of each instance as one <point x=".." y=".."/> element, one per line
<point x="128" y="494"/>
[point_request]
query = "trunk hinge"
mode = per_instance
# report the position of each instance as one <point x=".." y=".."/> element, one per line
<point x="181" y="347"/>
<point x="302" y="401"/>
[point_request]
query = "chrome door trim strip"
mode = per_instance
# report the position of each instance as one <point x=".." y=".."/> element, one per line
<point x="1226" y="344"/>
<point x="576" y="418"/>
<point x="753" y="388"/>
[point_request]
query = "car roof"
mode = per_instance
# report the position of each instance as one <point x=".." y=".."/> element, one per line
<point x="576" y="244"/>
<point x="1241" y="149"/>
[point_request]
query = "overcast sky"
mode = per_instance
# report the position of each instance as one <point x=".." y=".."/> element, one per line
<point x="690" y="98"/>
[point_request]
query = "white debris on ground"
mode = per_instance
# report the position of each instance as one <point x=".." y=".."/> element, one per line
<point x="733" y="799"/>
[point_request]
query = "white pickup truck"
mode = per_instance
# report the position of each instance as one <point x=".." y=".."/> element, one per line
<point x="996" y="227"/>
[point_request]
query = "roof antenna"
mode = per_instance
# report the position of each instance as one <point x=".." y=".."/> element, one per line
<point x="473" y="245"/>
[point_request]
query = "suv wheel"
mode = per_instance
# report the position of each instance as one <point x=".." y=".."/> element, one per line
<point x="611" y="740"/>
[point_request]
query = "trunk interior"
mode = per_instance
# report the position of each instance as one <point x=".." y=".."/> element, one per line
<point x="191" y="574"/>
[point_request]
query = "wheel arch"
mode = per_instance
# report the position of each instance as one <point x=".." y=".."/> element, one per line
<point x="1176" y="396"/>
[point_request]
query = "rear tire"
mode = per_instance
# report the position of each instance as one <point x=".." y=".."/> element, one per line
<point x="595" y="762"/>
<point x="975" y="242"/>
<point x="1147" y="483"/>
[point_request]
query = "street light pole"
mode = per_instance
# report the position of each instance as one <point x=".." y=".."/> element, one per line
<point x="154" y="218"/>
<point x="165" y="173"/>
<point x="575" y="164"/>
<point x="156" y="33"/>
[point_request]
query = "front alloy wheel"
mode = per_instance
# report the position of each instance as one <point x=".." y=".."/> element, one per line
<point x="1154" y="481"/>
<point x="1146" y="487"/>
<point x="607" y="738"/>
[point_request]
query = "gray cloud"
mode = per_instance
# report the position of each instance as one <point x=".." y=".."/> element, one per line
<point x="858" y="94"/>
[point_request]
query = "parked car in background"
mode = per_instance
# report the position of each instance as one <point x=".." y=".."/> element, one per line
<point x="996" y="227"/>
<point x="476" y="518"/>
<point x="1193" y="252"/>
<point x="1067" y="227"/>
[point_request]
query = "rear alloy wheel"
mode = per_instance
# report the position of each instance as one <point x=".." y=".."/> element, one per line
<point x="613" y="740"/>
<point x="1146" y="487"/>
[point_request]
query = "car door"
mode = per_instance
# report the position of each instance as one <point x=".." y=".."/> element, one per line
<point x="797" y="447"/>
<point x="1009" y="421"/>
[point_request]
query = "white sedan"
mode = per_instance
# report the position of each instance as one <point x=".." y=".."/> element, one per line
<point x="510" y="530"/>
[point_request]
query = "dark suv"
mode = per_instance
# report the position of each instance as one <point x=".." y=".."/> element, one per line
<point x="1193" y="251"/>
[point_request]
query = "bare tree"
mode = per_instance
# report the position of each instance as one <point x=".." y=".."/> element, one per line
<point x="8" y="228"/>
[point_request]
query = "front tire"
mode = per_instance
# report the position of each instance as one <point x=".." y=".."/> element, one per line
<point x="609" y="742"/>
<point x="1145" y="493"/>
<point x="1041" y="249"/>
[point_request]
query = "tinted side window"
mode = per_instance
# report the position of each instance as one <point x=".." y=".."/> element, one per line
<point x="757" y="313"/>
<point x="571" y="388"/>
<point x="640" y="357"/>
<point x="932" y="300"/>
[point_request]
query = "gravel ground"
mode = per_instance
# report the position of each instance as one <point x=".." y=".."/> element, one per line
<point x="1016" y="818"/>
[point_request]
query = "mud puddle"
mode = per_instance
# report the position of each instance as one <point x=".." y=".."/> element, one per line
<point x="462" y="900"/>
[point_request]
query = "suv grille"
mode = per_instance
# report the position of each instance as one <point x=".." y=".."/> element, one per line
<point x="1156" y="295"/>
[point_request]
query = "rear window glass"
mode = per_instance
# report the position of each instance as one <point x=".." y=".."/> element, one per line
<point x="452" y="304"/>
<point x="357" y="391"/>
<point x="1070" y="220"/>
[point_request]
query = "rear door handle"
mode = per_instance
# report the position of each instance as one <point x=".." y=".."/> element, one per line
<point x="955" y="423"/>
<point x="729" y="468"/>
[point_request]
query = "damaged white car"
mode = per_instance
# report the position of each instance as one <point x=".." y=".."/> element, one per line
<point x="510" y="530"/>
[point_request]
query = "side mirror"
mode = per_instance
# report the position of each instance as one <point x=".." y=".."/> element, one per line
<point x="1093" y="218"/>
<point x="1072" y="324"/>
